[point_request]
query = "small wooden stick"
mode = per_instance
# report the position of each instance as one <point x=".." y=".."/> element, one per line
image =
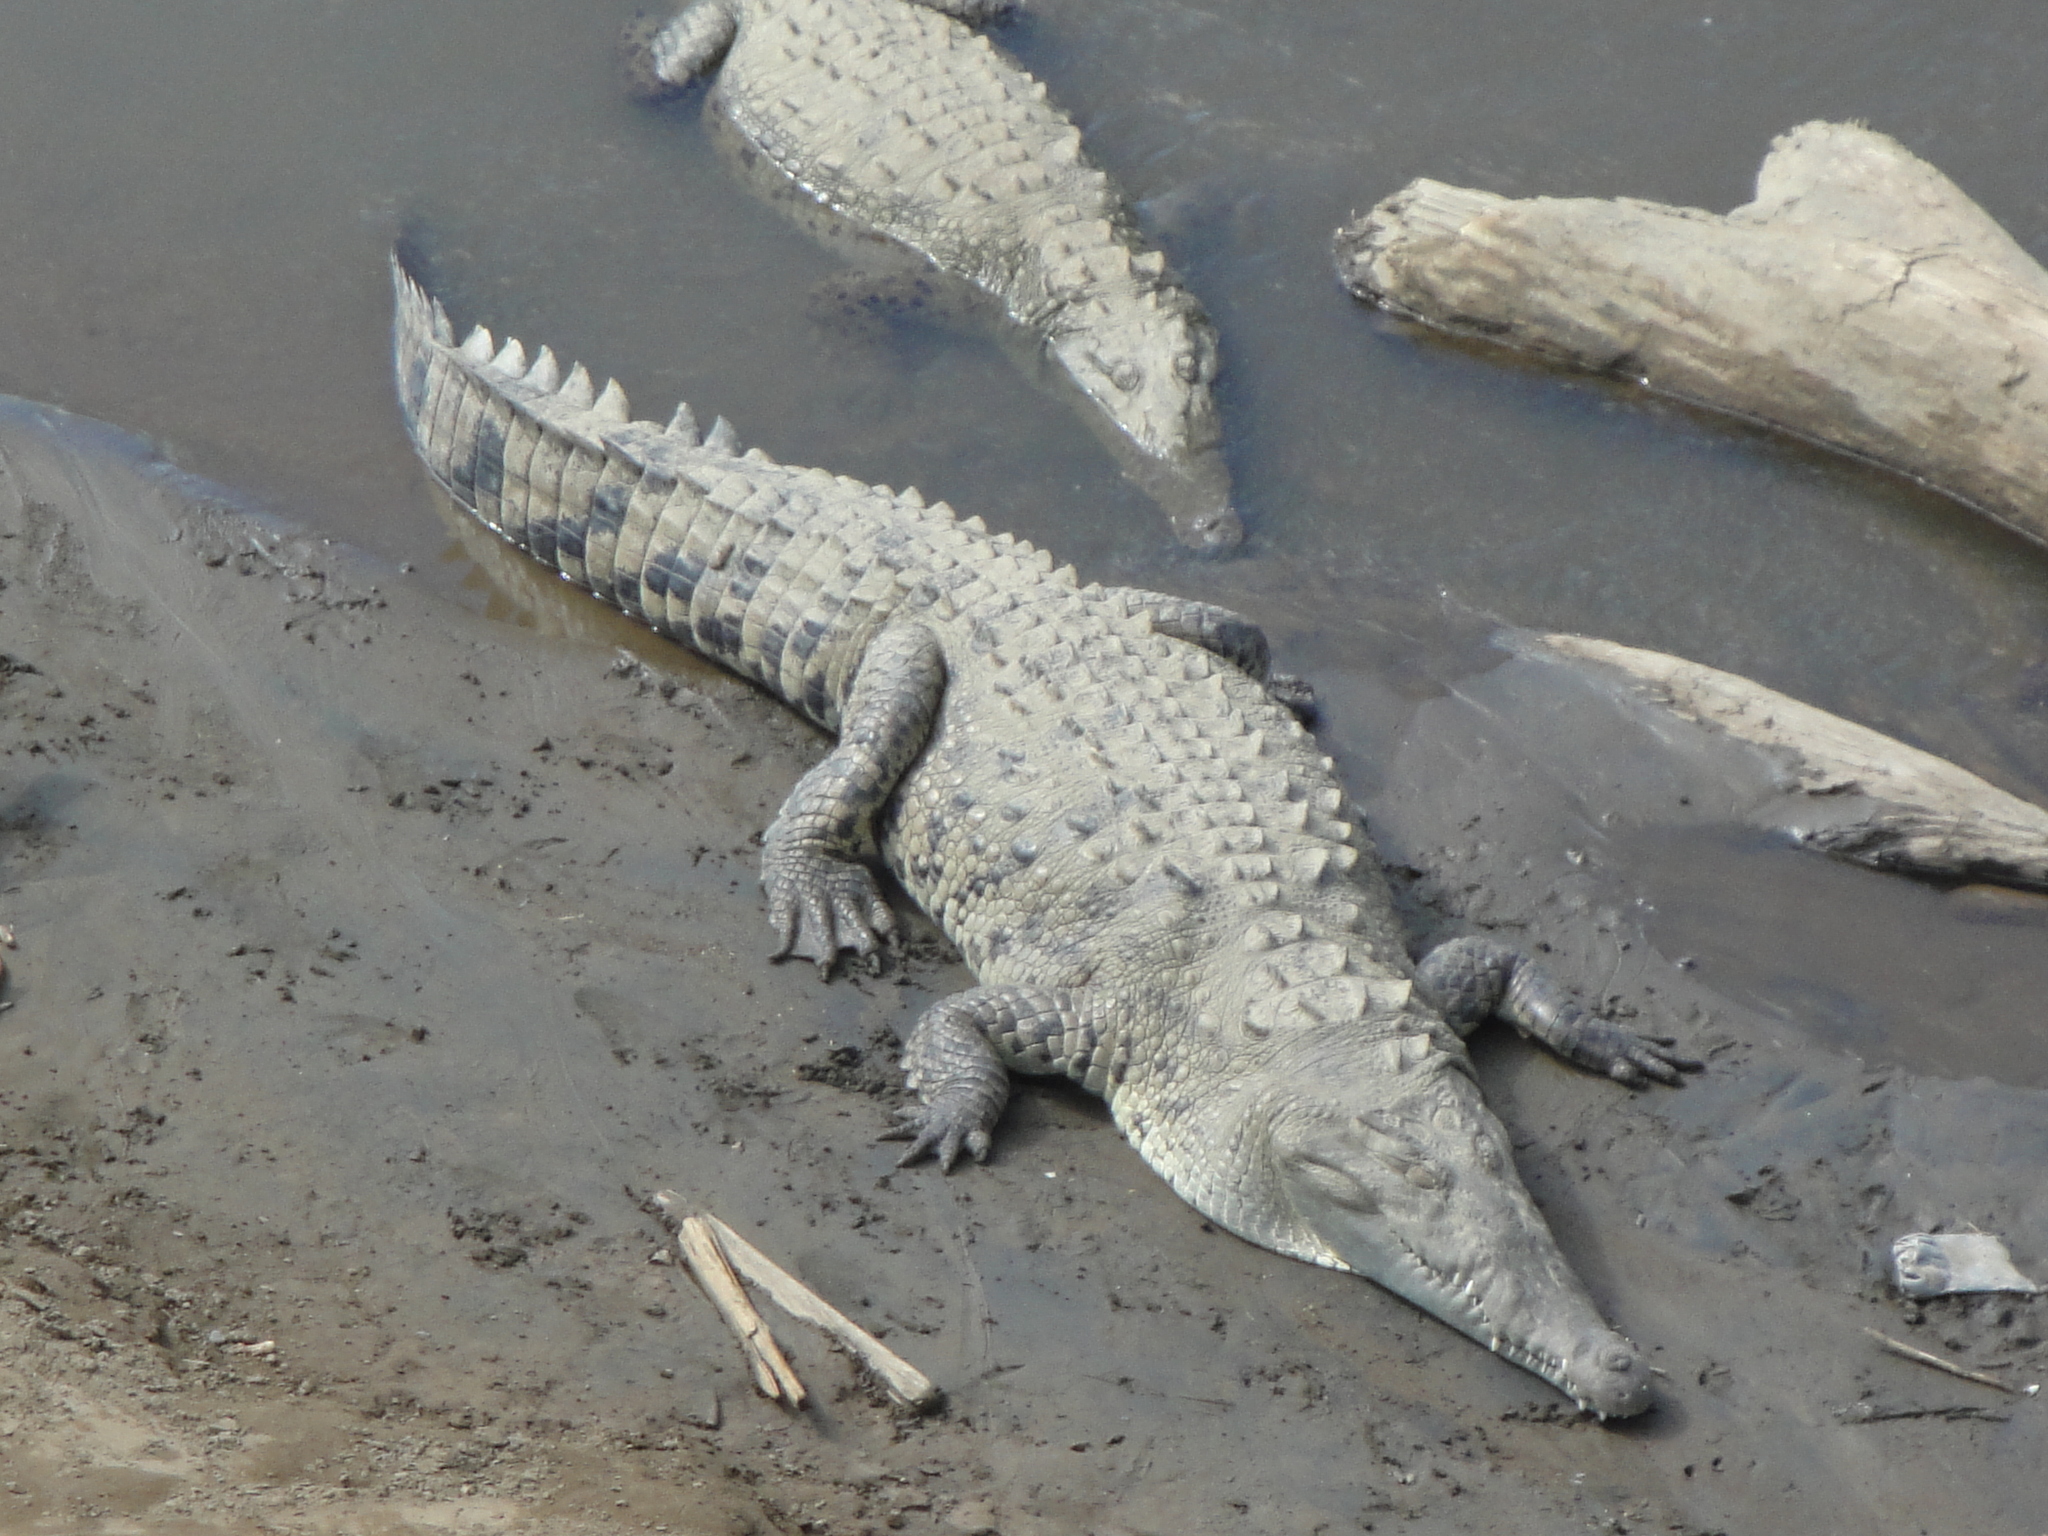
<point x="1924" y="1358"/>
<point x="906" y="1383"/>
<point x="772" y="1373"/>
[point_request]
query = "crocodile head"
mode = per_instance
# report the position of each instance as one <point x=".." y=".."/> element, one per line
<point x="1147" y="359"/>
<point x="1404" y="1176"/>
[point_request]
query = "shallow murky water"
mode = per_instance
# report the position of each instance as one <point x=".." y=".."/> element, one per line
<point x="198" y="196"/>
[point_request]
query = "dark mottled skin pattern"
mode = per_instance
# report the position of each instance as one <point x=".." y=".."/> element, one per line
<point x="1143" y="856"/>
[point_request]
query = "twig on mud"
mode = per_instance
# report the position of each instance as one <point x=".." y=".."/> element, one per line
<point x="906" y="1383"/>
<point x="772" y="1373"/>
<point x="1908" y="1352"/>
<point x="1878" y="1413"/>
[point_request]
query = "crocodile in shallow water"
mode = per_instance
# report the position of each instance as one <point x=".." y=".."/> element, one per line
<point x="894" y="115"/>
<point x="1146" y="860"/>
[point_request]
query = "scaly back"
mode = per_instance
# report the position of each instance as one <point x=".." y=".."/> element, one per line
<point x="782" y="574"/>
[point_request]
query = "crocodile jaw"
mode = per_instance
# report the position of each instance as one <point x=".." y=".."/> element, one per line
<point x="1558" y="1336"/>
<point x="1413" y="1188"/>
<point x="1194" y="492"/>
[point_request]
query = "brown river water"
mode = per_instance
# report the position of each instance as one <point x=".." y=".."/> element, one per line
<point x="196" y="199"/>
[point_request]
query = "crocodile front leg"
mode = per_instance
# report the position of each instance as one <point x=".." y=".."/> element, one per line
<point x="959" y="1056"/>
<point x="1471" y="980"/>
<point x="660" y="59"/>
<point x="1235" y="638"/>
<point x="822" y="896"/>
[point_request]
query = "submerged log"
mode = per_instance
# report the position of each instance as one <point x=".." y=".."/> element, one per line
<point x="1861" y="301"/>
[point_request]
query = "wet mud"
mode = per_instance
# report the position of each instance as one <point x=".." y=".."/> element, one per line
<point x="384" y="936"/>
<point x="377" y="958"/>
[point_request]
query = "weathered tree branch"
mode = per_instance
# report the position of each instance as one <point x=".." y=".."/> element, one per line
<point x="1861" y="301"/>
<point x="1844" y="789"/>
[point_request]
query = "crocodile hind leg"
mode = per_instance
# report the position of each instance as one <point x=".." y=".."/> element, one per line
<point x="869" y="306"/>
<point x="1235" y="638"/>
<point x="661" y="58"/>
<point x="822" y="897"/>
<point x="959" y="1057"/>
<point x="1471" y="980"/>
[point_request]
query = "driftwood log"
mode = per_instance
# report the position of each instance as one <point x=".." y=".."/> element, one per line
<point x="1861" y="301"/>
<point x="1840" y="788"/>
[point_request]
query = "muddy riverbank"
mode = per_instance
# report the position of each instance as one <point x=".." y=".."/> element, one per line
<point x="375" y="958"/>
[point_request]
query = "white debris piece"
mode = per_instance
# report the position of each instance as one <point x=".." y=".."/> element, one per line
<point x="1944" y="1263"/>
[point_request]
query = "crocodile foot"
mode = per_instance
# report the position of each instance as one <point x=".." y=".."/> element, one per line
<point x="1470" y="979"/>
<point x="1294" y="695"/>
<point x="1619" y="1051"/>
<point x="820" y="906"/>
<point x="957" y="1120"/>
<point x="636" y="61"/>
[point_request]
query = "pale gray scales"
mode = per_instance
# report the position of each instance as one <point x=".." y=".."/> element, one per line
<point x="895" y="115"/>
<point x="1145" y="859"/>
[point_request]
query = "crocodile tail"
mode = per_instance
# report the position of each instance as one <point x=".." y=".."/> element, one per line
<point x="781" y="574"/>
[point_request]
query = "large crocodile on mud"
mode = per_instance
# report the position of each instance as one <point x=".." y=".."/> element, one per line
<point x="895" y="116"/>
<point x="1146" y="860"/>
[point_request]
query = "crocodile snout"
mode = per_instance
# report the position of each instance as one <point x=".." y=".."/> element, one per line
<point x="1607" y="1375"/>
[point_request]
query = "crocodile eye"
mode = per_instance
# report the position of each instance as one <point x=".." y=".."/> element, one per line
<point x="1187" y="368"/>
<point x="1337" y="1186"/>
<point x="1397" y="1150"/>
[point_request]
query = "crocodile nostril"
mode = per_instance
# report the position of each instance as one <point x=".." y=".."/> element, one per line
<point x="1617" y="1358"/>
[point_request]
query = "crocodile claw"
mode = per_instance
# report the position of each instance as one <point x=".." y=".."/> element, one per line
<point x="820" y="907"/>
<point x="940" y="1130"/>
<point x="1630" y="1058"/>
